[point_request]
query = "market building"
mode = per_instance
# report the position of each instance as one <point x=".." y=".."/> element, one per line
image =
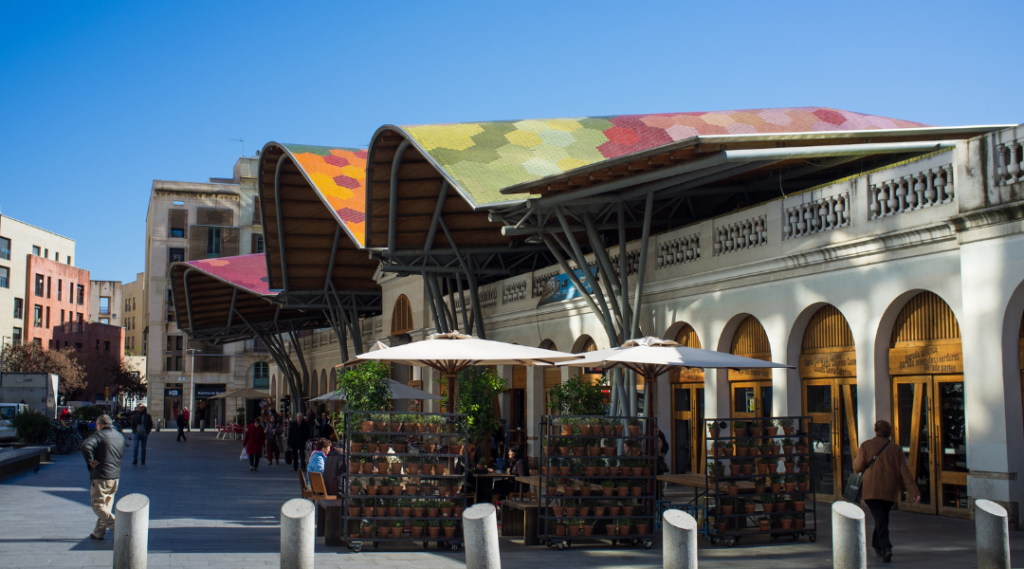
<point x="879" y="258"/>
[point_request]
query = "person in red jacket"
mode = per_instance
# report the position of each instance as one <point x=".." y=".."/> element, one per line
<point x="253" y="439"/>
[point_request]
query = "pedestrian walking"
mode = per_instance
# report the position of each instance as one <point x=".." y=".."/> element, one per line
<point x="324" y="427"/>
<point x="273" y="450"/>
<point x="142" y="425"/>
<point x="886" y="475"/>
<point x="180" y="419"/>
<point x="299" y="432"/>
<point x="188" y="425"/>
<point x="253" y="440"/>
<point x="103" y="451"/>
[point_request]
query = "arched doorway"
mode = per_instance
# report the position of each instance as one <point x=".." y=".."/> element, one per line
<point x="687" y="410"/>
<point x="401" y="316"/>
<point x="828" y="373"/>
<point x="926" y="367"/>
<point x="552" y="375"/>
<point x="751" y="389"/>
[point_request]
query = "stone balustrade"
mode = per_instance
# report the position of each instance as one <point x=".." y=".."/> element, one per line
<point x="678" y="251"/>
<point x="1009" y="161"/>
<point x="741" y="235"/>
<point x="513" y="291"/>
<point x="823" y="214"/>
<point x="911" y="192"/>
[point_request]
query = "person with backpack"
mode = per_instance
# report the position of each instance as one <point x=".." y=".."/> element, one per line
<point x="886" y="476"/>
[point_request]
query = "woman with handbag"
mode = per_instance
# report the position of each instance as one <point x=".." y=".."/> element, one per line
<point x="253" y="440"/>
<point x="886" y="475"/>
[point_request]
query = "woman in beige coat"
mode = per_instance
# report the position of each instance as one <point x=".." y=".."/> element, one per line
<point x="883" y="483"/>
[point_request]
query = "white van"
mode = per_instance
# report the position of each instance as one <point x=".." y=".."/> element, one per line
<point x="7" y="412"/>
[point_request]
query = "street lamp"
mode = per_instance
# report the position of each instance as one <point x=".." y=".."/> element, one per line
<point x="192" y="383"/>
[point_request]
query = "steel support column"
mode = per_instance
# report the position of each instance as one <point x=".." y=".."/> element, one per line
<point x="396" y="163"/>
<point x="579" y="286"/>
<point x="280" y="223"/>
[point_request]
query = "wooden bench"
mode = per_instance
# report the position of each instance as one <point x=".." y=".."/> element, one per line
<point x="328" y="511"/>
<point x="519" y="518"/>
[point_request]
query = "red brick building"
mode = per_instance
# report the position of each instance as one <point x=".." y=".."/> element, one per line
<point x="55" y="294"/>
<point x="90" y="336"/>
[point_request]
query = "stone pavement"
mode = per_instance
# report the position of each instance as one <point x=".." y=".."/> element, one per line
<point x="208" y="510"/>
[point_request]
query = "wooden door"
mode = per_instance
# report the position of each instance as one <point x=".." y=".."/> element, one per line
<point x="688" y="428"/>
<point x="751" y="399"/>
<point x="929" y="426"/>
<point x="831" y="403"/>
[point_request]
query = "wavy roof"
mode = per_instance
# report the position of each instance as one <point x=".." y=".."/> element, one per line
<point x="339" y="176"/>
<point x="484" y="157"/>
<point x="247" y="272"/>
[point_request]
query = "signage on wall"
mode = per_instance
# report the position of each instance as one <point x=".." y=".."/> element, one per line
<point x="838" y="364"/>
<point x="559" y="288"/>
<point x="942" y="358"/>
<point x="205" y="392"/>
<point x="172" y="393"/>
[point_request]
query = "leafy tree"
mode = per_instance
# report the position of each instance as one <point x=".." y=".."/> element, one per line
<point x="32" y="358"/>
<point x="478" y="386"/>
<point x="367" y="387"/>
<point x="578" y="397"/>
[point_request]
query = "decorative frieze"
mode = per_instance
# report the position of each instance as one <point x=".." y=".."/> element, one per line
<point x="632" y="263"/>
<point x="824" y="214"/>
<point x="513" y="292"/>
<point x="540" y="280"/>
<point x="911" y="192"/>
<point x="488" y="297"/>
<point x="741" y="235"/>
<point x="678" y="251"/>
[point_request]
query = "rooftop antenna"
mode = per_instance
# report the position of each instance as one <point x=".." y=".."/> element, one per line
<point x="242" y="140"/>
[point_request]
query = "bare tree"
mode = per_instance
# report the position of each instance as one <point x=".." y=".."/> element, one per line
<point x="33" y="358"/>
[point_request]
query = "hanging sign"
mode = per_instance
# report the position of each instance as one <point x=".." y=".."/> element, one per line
<point x="837" y="364"/>
<point x="559" y="288"/>
<point x="943" y="358"/>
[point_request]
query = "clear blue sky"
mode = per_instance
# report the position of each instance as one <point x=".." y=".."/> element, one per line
<point x="97" y="99"/>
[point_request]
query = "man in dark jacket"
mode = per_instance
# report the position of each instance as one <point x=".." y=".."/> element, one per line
<point x="334" y="468"/>
<point x="180" y="419"/>
<point x="102" y="452"/>
<point x="299" y="432"/>
<point x="142" y="425"/>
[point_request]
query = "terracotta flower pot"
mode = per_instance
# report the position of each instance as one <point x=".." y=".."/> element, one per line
<point x="433" y="531"/>
<point x="574" y="530"/>
<point x="798" y="524"/>
<point x="457" y="511"/>
<point x="412" y="489"/>
<point x="380" y="511"/>
<point x="608" y="451"/>
<point x="353" y="511"/>
<point x="646" y="471"/>
<point x="641" y="529"/>
<point x="613" y="511"/>
<point x="552" y="490"/>
<point x="727" y="510"/>
<point x="367" y="468"/>
<point x="776" y="488"/>
<point x="559" y="529"/>
<point x="613" y="471"/>
<point x="383" y="532"/>
<point x="798" y="506"/>
<point x="802" y="486"/>
<point x="355" y="467"/>
<point x="456" y="449"/>
<point x="767" y="507"/>
<point x="590" y="470"/>
<point x="786" y="524"/>
<point x="449" y="532"/>
<point x="607" y="491"/>
<point x="395" y="427"/>
<point x="636" y="490"/>
<point x="773" y="431"/>
<point x="726" y="452"/>
<point x="622" y="490"/>
<point x="566" y="430"/>
<point x="758" y="432"/>
<point x="599" y="510"/>
<point x="741" y="451"/>
<point x="398" y="447"/>
<point x="564" y="451"/>
<point x="737" y="432"/>
<point x="588" y="530"/>
<point x="733" y="490"/>
<point x="446" y="512"/>
<point x="570" y="512"/>
<point x="789" y="466"/>
<point x="392" y="511"/>
<point x="432" y="512"/>
<point x="357" y="447"/>
<point x="634" y="430"/>
<point x="765" y="525"/>
<point x="366" y="426"/>
<point x="577" y="451"/>
<point x="747" y="468"/>
<point x="624" y="529"/>
<point x="611" y="529"/>
<point x="396" y="468"/>
<point x="789" y="486"/>
<point x="721" y="527"/>
<point x="593" y="451"/>
<point x="417" y="531"/>
<point x="607" y="430"/>
<point x="788" y="430"/>
<point x="749" y="508"/>
<point x="734" y="470"/>
<point x="412" y="468"/>
<point x="585" y="491"/>
<point x="367" y="531"/>
<point x="628" y="510"/>
<point x="762" y="469"/>
<point x="382" y="467"/>
<point x="787" y="449"/>
<point x="372" y="490"/>
<point x="379" y="426"/>
<point x="584" y="511"/>
<point x="617" y="430"/>
<point x="418" y="512"/>
<point x="759" y="488"/>
<point x="595" y="430"/>
<point x="433" y="429"/>
<point x="563" y="470"/>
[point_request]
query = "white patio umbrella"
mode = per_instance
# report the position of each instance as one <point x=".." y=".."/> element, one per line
<point x="398" y="391"/>
<point x="453" y="352"/>
<point x="651" y="357"/>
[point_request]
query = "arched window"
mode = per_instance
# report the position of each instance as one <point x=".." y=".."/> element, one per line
<point x="261" y="375"/>
<point x="401" y="316"/>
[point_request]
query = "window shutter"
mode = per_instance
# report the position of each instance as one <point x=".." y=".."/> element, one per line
<point x="178" y="219"/>
<point x="214" y="216"/>
<point x="229" y="241"/>
<point x="252" y="246"/>
<point x="257" y="216"/>
<point x="197" y="243"/>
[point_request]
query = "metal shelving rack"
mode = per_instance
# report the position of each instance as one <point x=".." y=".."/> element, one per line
<point x="455" y="425"/>
<point x="716" y="483"/>
<point x="552" y="433"/>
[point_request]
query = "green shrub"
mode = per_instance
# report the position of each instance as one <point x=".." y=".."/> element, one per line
<point x="578" y="397"/>
<point x="32" y="426"/>
<point x="367" y="387"/>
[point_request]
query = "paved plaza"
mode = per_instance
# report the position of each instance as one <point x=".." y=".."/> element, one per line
<point x="208" y="510"/>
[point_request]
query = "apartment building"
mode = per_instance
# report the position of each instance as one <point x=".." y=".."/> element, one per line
<point x="186" y="221"/>
<point x="133" y="317"/>
<point x="39" y="285"/>
<point x="105" y="299"/>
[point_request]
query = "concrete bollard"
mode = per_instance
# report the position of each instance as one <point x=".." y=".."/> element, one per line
<point x="131" y="532"/>
<point x="679" y="549"/>
<point x="480" y="531"/>
<point x="849" y="546"/>
<point x="993" y="535"/>
<point x="298" y="534"/>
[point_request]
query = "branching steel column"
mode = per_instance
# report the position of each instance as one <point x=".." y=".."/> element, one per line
<point x="396" y="162"/>
<point x="284" y="364"/>
<point x="604" y="264"/>
<point x="428" y="245"/>
<point x="642" y="265"/>
<point x="188" y="301"/>
<point x="280" y="226"/>
<point x="429" y="294"/>
<point x="474" y="295"/>
<point x="581" y="261"/>
<point x="357" y="329"/>
<point x="624" y="270"/>
<point x="451" y="301"/>
<point x="579" y="286"/>
<point x="439" y="303"/>
<point x="603" y="313"/>
<point x="231" y="309"/>
<point x="466" y="324"/>
<point x="302" y="357"/>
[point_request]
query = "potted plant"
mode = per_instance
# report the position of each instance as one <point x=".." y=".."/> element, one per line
<point x="798" y="501"/>
<point x="617" y="430"/>
<point x="776" y="484"/>
<point x="764" y="523"/>
<point x="786" y="521"/>
<point x="787" y="426"/>
<point x="641" y="526"/>
<point x="719" y="449"/>
<point x="607" y="487"/>
<point x="418" y="508"/>
<point x="611" y="528"/>
<point x="788" y="464"/>
<point x="396" y="528"/>
<point x="722" y="526"/>
<point x="789" y="484"/>
<point x="570" y="508"/>
<point x="366" y="465"/>
<point x="392" y="507"/>
<point x="749" y="506"/>
<point x="634" y="427"/>
<point x="622" y="486"/>
<point x="800" y="447"/>
<point x="741" y="448"/>
<point x="585" y="489"/>
<point x="733" y="489"/>
<point x="353" y="509"/>
<point x="449" y="528"/>
<point x="366" y="425"/>
<point x="786" y="446"/>
<point x="739" y="429"/>
<point x="446" y="509"/>
<point x="367" y="528"/>
<point x="560" y="528"/>
<point x="757" y="428"/>
<point x="593" y="449"/>
<point x="771" y="428"/>
<point x="637" y="488"/>
<point x="759" y="484"/>
<point x="734" y="467"/>
<point x="798" y="521"/>
<point x="713" y="429"/>
<point x="433" y="528"/>
<point x="728" y="505"/>
<point x="417" y="527"/>
<point x="574" y="528"/>
<point x="613" y="511"/>
<point x="627" y="509"/>
<point x="371" y="487"/>
<point x="588" y="527"/>
<point x="383" y="528"/>
<point x="624" y="525"/>
<point x="768" y="503"/>
<point x="762" y="466"/>
<point x="432" y="508"/>
<point x="747" y="467"/>
<point x="802" y="482"/>
<point x="585" y="508"/>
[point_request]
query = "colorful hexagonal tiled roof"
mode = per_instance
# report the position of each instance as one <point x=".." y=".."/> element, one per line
<point x="339" y="176"/>
<point x="248" y="272"/>
<point x="485" y="157"/>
